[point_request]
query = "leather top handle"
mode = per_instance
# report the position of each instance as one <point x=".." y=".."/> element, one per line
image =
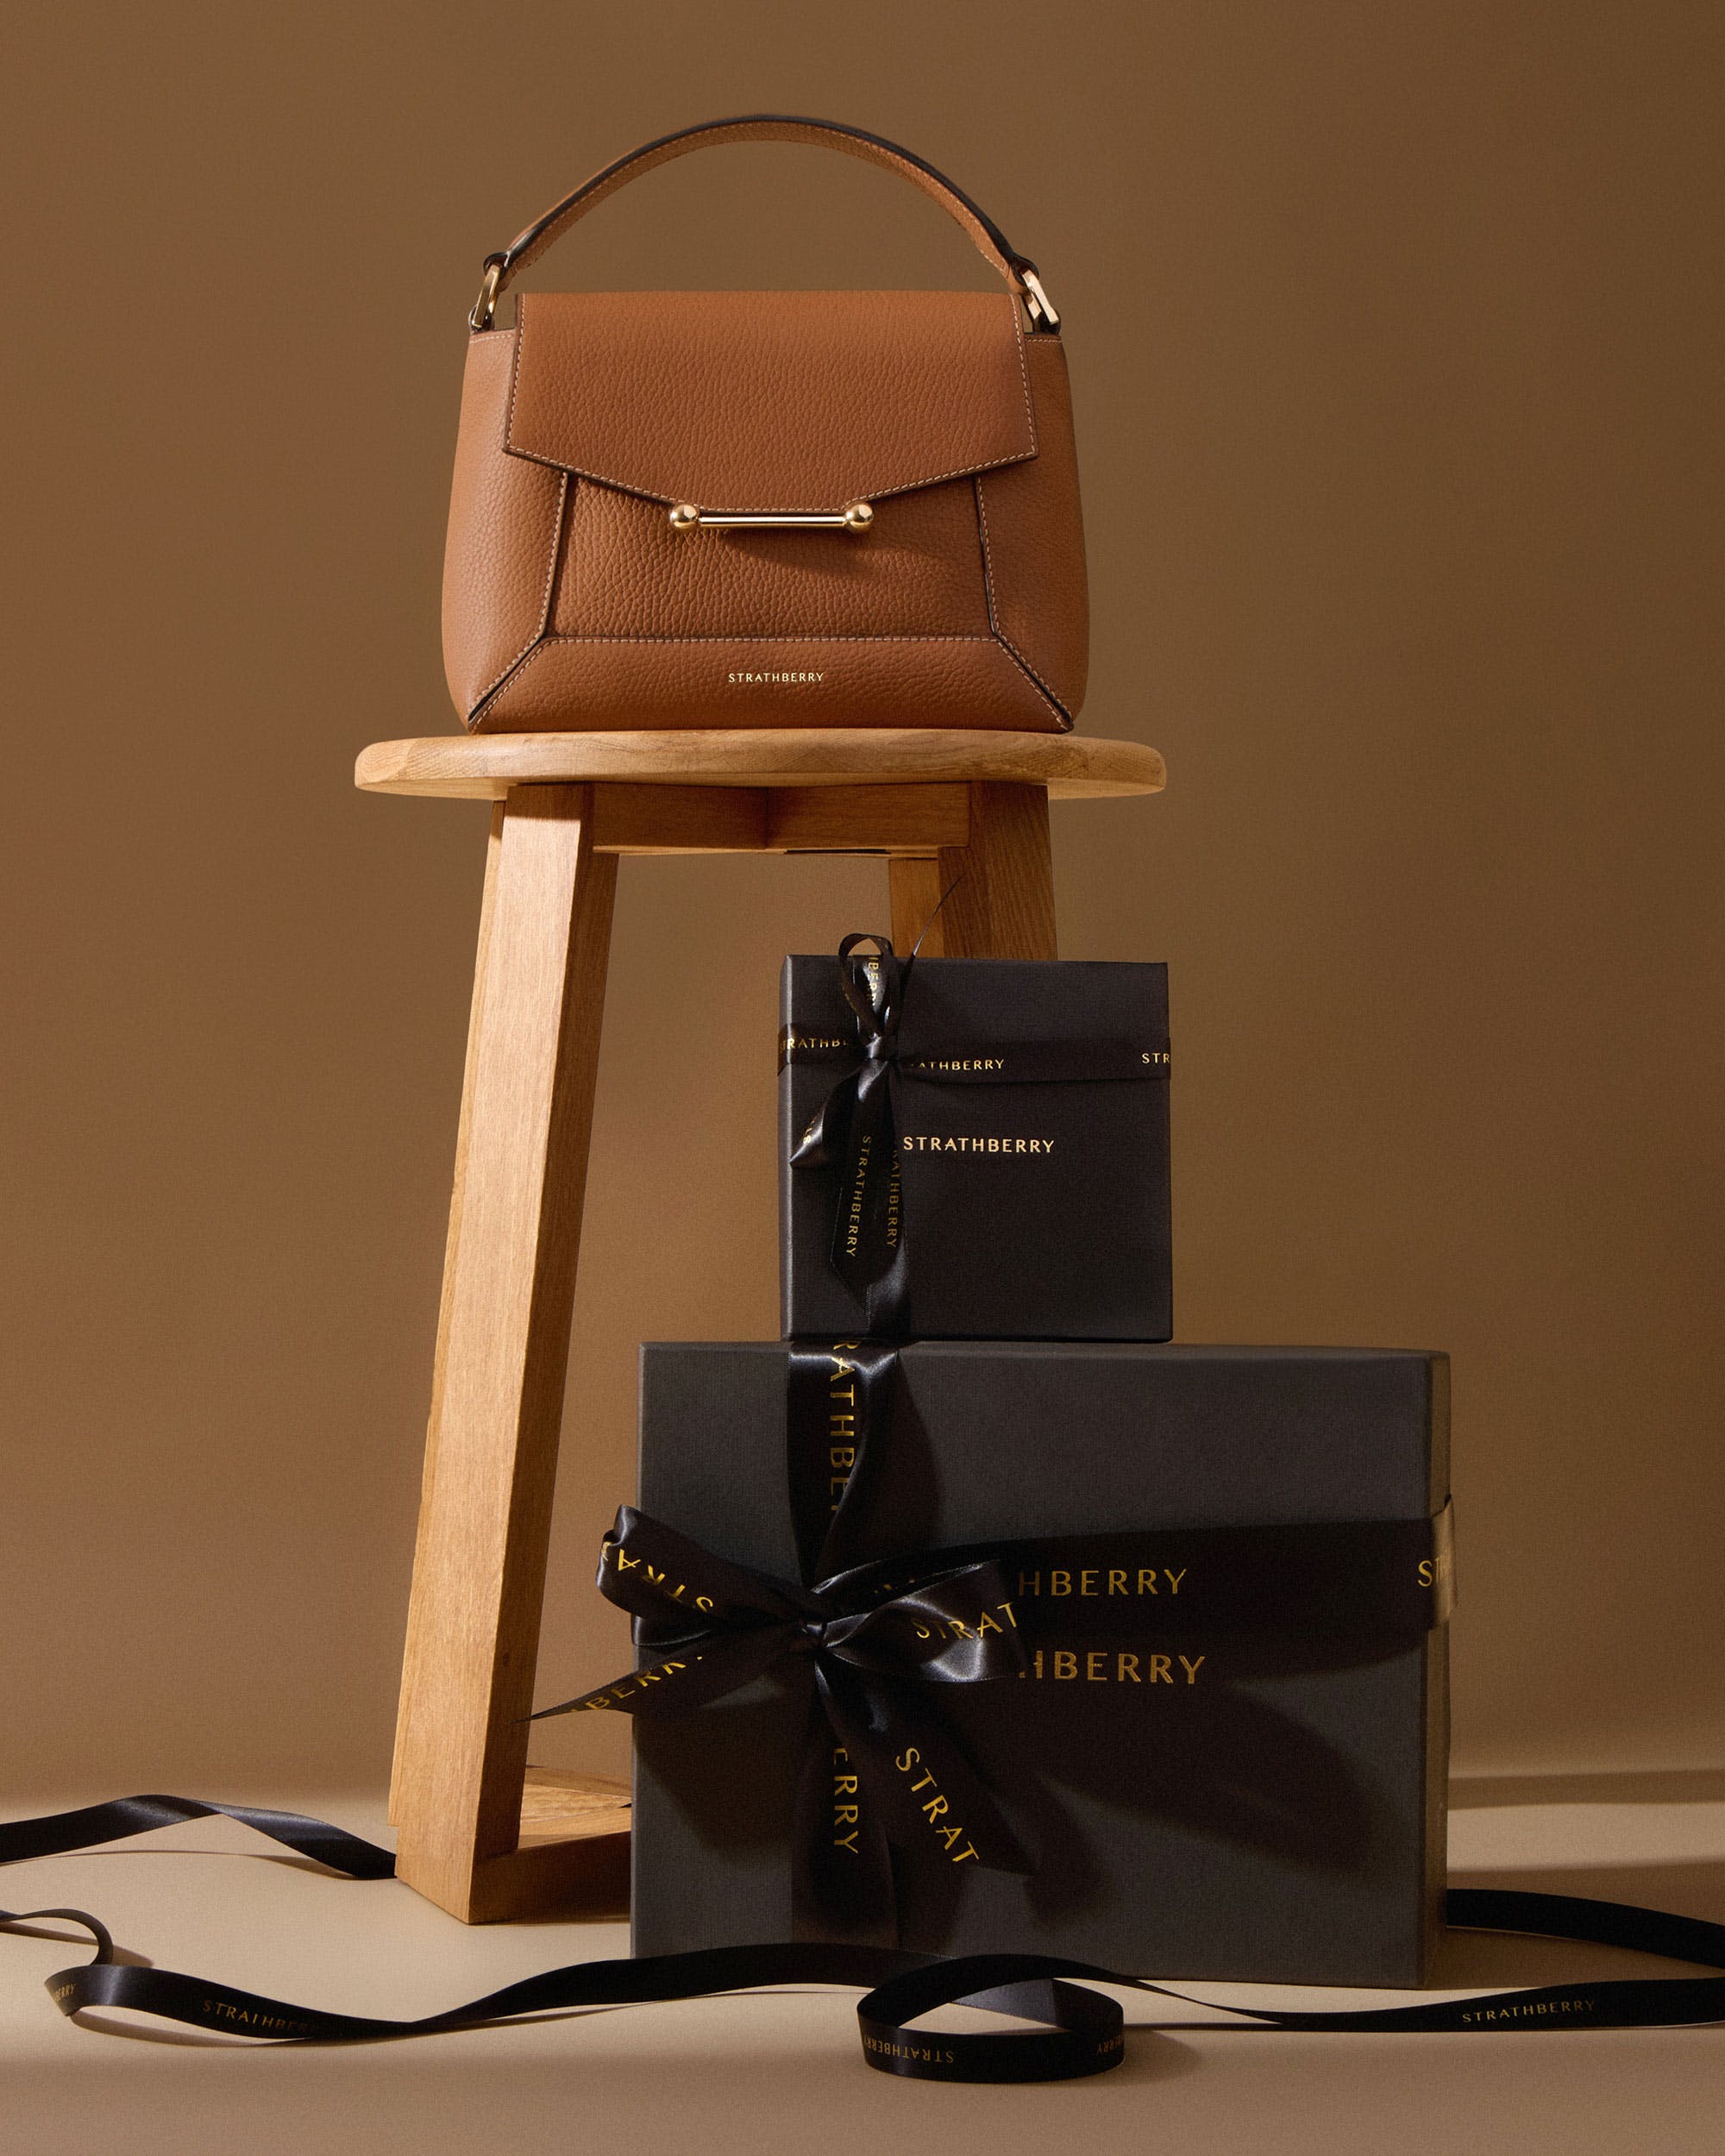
<point x="990" y="242"/>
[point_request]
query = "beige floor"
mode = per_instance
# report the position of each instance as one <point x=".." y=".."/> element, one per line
<point x="783" y="2075"/>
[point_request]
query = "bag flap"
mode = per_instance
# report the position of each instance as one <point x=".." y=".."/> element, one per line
<point x="771" y="402"/>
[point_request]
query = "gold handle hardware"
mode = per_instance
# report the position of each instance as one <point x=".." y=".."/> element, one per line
<point x="1038" y="304"/>
<point x="686" y="517"/>
<point x="485" y="307"/>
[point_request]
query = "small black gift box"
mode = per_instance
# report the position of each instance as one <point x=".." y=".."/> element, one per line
<point x="973" y="1148"/>
<point x="1223" y="1572"/>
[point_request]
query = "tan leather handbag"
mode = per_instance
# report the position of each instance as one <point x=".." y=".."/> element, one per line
<point x="766" y="509"/>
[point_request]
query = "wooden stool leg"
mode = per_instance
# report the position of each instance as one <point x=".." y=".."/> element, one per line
<point x="503" y="1348"/>
<point x="1004" y="907"/>
<point x="412" y="1681"/>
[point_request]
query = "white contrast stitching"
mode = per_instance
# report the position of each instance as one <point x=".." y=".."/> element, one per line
<point x="547" y="643"/>
<point x="1001" y="634"/>
<point x="750" y="637"/>
<point x="523" y="659"/>
<point x="777" y="509"/>
<point x="987" y="559"/>
<point x="538" y="629"/>
<point x="515" y="370"/>
<point x="1024" y="376"/>
<point x="513" y="336"/>
<point x="565" y="506"/>
<point x="1067" y="721"/>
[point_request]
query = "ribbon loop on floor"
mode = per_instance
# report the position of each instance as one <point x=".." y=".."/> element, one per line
<point x="1081" y="2030"/>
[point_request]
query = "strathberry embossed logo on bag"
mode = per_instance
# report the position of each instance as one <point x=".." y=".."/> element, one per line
<point x="734" y="680"/>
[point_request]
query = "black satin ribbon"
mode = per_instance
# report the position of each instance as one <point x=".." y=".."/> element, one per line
<point x="867" y="1647"/>
<point x="917" y="1617"/>
<point x="870" y="1638"/>
<point x="864" y="1626"/>
<point x="877" y="1769"/>
<point x="1082" y="2031"/>
<point x="1378" y="1580"/>
<point x="58" y="1834"/>
<point x="857" y="1127"/>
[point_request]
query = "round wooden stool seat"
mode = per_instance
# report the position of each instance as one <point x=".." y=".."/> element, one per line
<point x="483" y="766"/>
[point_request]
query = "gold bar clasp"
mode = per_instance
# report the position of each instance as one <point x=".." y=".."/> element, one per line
<point x="686" y="517"/>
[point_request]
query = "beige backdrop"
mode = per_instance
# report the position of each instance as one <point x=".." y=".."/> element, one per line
<point x="1394" y="332"/>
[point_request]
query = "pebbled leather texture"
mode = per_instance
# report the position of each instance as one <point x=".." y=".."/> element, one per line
<point x="615" y="685"/>
<point x="1038" y="593"/>
<point x="504" y="519"/>
<point x="771" y="401"/>
<point x="570" y="602"/>
<point x="623" y="571"/>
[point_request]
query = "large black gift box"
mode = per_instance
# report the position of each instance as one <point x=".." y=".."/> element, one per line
<point x="1256" y="1806"/>
<point x="1029" y="1210"/>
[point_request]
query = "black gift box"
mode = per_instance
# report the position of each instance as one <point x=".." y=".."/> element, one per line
<point x="1033" y="1210"/>
<point x="1272" y="1809"/>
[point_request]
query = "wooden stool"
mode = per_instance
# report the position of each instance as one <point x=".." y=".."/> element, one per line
<point x="567" y="806"/>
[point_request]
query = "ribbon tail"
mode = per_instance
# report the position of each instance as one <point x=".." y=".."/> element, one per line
<point x="681" y="1681"/>
<point x="829" y="1133"/>
<point x="842" y="1877"/>
<point x="887" y="1300"/>
<point x="930" y="1799"/>
<point x="681" y="1588"/>
<point x="865" y="1224"/>
<point x="57" y="1833"/>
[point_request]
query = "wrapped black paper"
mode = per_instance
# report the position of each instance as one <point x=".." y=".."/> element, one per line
<point x="1023" y="1191"/>
<point x="1255" y="1804"/>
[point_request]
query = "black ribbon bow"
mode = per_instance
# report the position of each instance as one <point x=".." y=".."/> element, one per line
<point x="867" y="1638"/>
<point x="888" y="1772"/>
<point x="857" y="1127"/>
<point x="870" y="1642"/>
